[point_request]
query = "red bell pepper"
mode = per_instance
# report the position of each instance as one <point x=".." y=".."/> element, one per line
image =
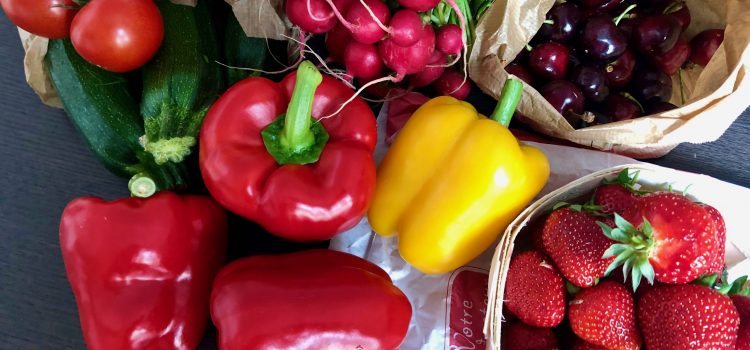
<point x="141" y="269"/>
<point x="311" y="300"/>
<point x="263" y="155"/>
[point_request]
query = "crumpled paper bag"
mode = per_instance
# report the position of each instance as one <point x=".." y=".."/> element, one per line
<point x="715" y="95"/>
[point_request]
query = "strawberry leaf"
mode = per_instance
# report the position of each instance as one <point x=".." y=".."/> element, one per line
<point x="708" y="280"/>
<point x="636" y="275"/>
<point x="626" y="268"/>
<point x="619" y="260"/>
<point x="615" y="250"/>
<point x="648" y="271"/>
<point x="624" y="224"/>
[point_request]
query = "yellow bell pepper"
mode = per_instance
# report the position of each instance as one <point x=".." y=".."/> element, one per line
<point x="453" y="180"/>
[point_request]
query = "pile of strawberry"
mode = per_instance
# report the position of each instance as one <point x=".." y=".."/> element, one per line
<point x="569" y="293"/>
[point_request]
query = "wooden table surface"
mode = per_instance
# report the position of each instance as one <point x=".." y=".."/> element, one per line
<point x="44" y="164"/>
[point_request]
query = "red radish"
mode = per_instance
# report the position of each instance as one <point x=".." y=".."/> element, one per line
<point x="452" y="83"/>
<point x="450" y="39"/>
<point x="431" y="72"/>
<point x="419" y="5"/>
<point x="343" y="5"/>
<point x="336" y="40"/>
<point x="362" y="60"/>
<point x="314" y="16"/>
<point x="408" y="60"/>
<point x="365" y="19"/>
<point x="406" y="26"/>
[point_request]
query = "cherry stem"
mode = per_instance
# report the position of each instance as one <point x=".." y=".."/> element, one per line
<point x="634" y="100"/>
<point x="509" y="99"/>
<point x="549" y="21"/>
<point x="674" y="7"/>
<point x="624" y="13"/>
<point x="682" y="87"/>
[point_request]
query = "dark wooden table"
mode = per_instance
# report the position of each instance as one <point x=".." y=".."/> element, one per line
<point x="44" y="164"/>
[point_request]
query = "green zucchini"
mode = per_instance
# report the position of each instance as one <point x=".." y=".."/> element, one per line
<point x="242" y="51"/>
<point x="181" y="82"/>
<point x="100" y="106"/>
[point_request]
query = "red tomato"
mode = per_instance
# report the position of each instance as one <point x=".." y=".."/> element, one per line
<point x="118" y="35"/>
<point x="47" y="18"/>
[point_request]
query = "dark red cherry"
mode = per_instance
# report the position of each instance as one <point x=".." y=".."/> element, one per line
<point x="601" y="39"/>
<point x="592" y="81"/>
<point x="620" y="71"/>
<point x="549" y="61"/>
<point x="627" y="26"/>
<point x="566" y="98"/>
<point x="564" y="19"/>
<point x="603" y="7"/>
<point x="659" y="107"/>
<point x="671" y="61"/>
<point x="621" y="108"/>
<point x="657" y="33"/>
<point x="704" y="45"/>
<point x="521" y="72"/>
<point x="651" y="85"/>
<point x="680" y="11"/>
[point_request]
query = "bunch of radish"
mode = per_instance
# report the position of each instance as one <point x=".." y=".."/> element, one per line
<point x="368" y="36"/>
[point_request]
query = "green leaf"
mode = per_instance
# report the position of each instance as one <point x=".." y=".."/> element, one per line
<point x="620" y="236"/>
<point x="560" y="205"/>
<point x="648" y="271"/>
<point x="606" y="230"/>
<point x="619" y="260"/>
<point x="615" y="250"/>
<point x="571" y="288"/>
<point x="708" y="280"/>
<point x="576" y="207"/>
<point x="636" y="278"/>
<point x="626" y="269"/>
<point x="647" y="229"/>
<point x="624" y="224"/>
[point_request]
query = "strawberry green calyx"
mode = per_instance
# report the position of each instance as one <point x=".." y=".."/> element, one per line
<point x="738" y="287"/>
<point x="588" y="207"/>
<point x="632" y="251"/>
<point x="625" y="179"/>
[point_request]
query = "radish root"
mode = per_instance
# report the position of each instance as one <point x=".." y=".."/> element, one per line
<point x="313" y="16"/>
<point x="394" y="79"/>
<point x="375" y="18"/>
<point x="462" y="21"/>
<point x="349" y="25"/>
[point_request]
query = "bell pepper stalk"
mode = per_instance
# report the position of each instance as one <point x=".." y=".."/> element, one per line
<point x="141" y="269"/>
<point x="266" y="154"/>
<point x="453" y="180"/>
<point x="314" y="299"/>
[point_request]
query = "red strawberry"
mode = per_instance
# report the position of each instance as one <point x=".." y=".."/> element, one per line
<point x="687" y="316"/>
<point x="534" y="290"/>
<point x="674" y="242"/>
<point x="614" y="198"/>
<point x="605" y="315"/>
<point x="717" y="264"/>
<point x="582" y="345"/>
<point x="519" y="336"/>
<point x="617" y="195"/>
<point x="576" y="244"/>
<point x="742" y="303"/>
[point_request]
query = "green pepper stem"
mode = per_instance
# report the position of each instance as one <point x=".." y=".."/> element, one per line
<point x="297" y="135"/>
<point x="508" y="101"/>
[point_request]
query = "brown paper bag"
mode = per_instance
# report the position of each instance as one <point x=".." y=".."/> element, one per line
<point x="262" y="18"/>
<point x="715" y="95"/>
<point x="721" y="195"/>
